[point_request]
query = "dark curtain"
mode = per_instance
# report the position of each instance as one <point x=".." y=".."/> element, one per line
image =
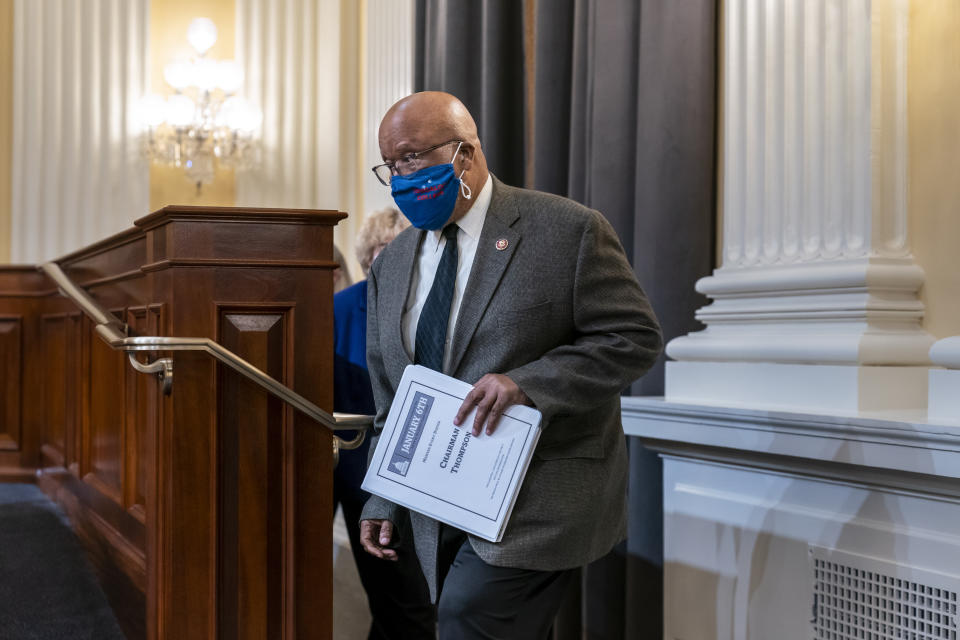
<point x="611" y="103"/>
<point x="474" y="50"/>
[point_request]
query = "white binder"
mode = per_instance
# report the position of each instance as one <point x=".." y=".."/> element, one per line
<point x="426" y="463"/>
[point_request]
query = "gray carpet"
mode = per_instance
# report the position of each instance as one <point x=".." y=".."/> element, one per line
<point x="47" y="587"/>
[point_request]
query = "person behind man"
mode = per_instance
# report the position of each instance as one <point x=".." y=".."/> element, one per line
<point x="397" y="594"/>
<point x="341" y="275"/>
<point x="528" y="297"/>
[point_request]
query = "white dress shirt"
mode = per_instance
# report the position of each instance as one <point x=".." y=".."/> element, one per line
<point x="431" y="250"/>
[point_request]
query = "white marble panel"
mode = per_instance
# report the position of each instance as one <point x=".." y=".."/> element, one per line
<point x="738" y="541"/>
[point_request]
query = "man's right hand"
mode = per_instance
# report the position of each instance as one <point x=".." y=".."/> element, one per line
<point x="376" y="536"/>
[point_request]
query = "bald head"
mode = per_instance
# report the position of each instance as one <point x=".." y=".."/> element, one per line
<point x="425" y="119"/>
<point x="433" y="114"/>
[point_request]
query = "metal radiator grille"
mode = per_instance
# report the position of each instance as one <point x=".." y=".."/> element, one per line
<point x="861" y="598"/>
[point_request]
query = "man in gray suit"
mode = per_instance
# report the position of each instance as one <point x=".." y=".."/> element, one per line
<point x="530" y="298"/>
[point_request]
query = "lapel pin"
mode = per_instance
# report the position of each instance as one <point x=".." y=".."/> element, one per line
<point x="502" y="244"/>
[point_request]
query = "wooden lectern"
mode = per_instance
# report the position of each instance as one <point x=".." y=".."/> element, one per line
<point x="207" y="512"/>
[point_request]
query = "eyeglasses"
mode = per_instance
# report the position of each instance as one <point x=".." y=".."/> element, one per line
<point x="406" y="165"/>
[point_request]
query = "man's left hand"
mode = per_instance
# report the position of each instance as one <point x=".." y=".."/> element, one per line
<point x="492" y="394"/>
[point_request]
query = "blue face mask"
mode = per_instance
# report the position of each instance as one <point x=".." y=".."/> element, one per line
<point x="427" y="197"/>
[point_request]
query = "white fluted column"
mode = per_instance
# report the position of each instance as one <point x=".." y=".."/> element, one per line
<point x="816" y="268"/>
<point x="79" y="69"/>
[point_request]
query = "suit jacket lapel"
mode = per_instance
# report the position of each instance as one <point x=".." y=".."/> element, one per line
<point x="489" y="264"/>
<point x="395" y="299"/>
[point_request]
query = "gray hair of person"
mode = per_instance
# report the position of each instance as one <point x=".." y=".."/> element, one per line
<point x="378" y="229"/>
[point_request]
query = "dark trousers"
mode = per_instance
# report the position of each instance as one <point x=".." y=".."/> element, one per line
<point x="396" y="591"/>
<point x="481" y="601"/>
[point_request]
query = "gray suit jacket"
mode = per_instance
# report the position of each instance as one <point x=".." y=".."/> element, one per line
<point x="560" y="312"/>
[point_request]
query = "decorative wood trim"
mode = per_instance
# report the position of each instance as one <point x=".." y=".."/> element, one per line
<point x="168" y="263"/>
<point x="139" y="512"/>
<point x="120" y="277"/>
<point x="11" y="391"/>
<point x="54" y="348"/>
<point x="142" y="414"/>
<point x="18" y="268"/>
<point x="106" y="489"/>
<point x="52" y="458"/>
<point x="21" y="281"/>
<point x="150" y="509"/>
<point x="86" y="340"/>
<point x="111" y="243"/>
<point x="249" y="448"/>
<point x="171" y="213"/>
<point x="74" y="371"/>
<point x="59" y="315"/>
<point x="17" y="474"/>
<point x="97" y="385"/>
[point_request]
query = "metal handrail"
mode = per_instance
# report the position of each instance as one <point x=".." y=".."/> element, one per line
<point x="112" y="331"/>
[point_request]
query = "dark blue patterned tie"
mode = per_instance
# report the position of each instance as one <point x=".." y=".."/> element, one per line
<point x="432" y="326"/>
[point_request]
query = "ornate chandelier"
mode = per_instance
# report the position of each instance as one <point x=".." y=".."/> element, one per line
<point x="204" y="123"/>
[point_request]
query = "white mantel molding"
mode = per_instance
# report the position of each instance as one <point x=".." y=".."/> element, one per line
<point x="902" y="276"/>
<point x="944" y="384"/>
<point x="907" y="442"/>
<point x="857" y="312"/>
<point x="752" y="498"/>
<point x="946" y="353"/>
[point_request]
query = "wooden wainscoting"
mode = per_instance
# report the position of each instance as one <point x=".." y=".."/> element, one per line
<point x="11" y="382"/>
<point x="206" y="512"/>
<point x="21" y="296"/>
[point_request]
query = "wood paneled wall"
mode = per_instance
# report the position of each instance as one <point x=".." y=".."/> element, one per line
<point x="20" y="429"/>
<point x="207" y="512"/>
